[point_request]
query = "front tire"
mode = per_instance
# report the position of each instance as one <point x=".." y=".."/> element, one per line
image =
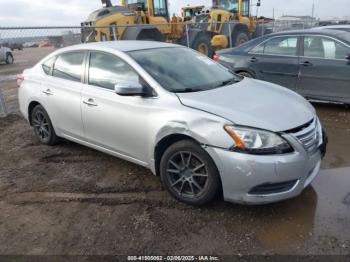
<point x="189" y="173"/>
<point x="9" y="59"/>
<point x="42" y="125"/>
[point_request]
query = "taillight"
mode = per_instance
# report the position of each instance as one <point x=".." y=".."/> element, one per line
<point x="20" y="79"/>
<point x="216" y="58"/>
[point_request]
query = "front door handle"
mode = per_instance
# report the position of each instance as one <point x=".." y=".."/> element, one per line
<point x="253" y="59"/>
<point x="306" y="63"/>
<point x="90" y="102"/>
<point x="48" y="92"/>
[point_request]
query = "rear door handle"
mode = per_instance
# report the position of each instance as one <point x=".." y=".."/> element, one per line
<point x="306" y="63"/>
<point x="253" y="59"/>
<point x="48" y="92"/>
<point x="90" y="102"/>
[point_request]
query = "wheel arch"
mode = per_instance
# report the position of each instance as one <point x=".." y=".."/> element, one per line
<point x="169" y="140"/>
<point x="164" y="143"/>
<point x="31" y="106"/>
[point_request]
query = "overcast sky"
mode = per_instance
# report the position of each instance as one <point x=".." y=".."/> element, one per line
<point x="72" y="12"/>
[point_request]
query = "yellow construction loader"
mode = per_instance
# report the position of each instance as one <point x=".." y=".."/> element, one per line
<point x="229" y="21"/>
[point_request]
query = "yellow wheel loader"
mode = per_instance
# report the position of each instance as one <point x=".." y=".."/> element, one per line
<point x="149" y="20"/>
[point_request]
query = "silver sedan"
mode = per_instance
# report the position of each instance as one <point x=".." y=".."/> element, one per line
<point x="201" y="128"/>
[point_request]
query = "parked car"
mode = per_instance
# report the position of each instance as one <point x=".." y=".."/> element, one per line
<point x="13" y="45"/>
<point x="6" y="55"/>
<point x="314" y="63"/>
<point x="334" y="27"/>
<point x="173" y="110"/>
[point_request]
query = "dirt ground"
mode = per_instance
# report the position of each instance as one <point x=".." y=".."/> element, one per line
<point x="69" y="199"/>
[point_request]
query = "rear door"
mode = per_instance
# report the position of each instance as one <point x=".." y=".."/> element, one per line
<point x="61" y="92"/>
<point x="276" y="60"/>
<point x="324" y="71"/>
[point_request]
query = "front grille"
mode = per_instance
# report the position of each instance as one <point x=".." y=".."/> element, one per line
<point x="273" y="188"/>
<point x="308" y="135"/>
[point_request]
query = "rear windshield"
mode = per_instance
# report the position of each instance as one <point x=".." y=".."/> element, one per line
<point x="181" y="69"/>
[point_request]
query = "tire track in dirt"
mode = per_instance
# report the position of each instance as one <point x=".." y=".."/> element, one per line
<point x="159" y="198"/>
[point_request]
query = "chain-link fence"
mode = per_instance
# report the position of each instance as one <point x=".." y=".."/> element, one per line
<point x="180" y="33"/>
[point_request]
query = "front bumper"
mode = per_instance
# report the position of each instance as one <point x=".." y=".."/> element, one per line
<point x="240" y="173"/>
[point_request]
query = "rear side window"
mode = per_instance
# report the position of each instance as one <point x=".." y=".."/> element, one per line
<point x="107" y="70"/>
<point x="278" y="46"/>
<point x="48" y="64"/>
<point x="69" y="66"/>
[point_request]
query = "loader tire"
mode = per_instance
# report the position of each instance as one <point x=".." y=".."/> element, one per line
<point x="202" y="44"/>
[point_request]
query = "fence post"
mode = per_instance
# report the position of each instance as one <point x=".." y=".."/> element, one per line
<point x="187" y="37"/>
<point x="3" y="111"/>
<point x="115" y="32"/>
<point x="230" y="34"/>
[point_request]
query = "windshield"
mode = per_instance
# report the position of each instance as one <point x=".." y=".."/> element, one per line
<point x="142" y="2"/>
<point x="232" y="6"/>
<point x="181" y="69"/>
<point x="228" y="5"/>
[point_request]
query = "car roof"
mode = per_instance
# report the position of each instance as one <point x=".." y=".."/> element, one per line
<point x="311" y="31"/>
<point x="333" y="26"/>
<point x="122" y="45"/>
<point x="340" y="34"/>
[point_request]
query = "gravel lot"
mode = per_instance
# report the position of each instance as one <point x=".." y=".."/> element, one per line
<point x="69" y="199"/>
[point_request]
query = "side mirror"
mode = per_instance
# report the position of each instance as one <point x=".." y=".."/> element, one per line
<point x="129" y="88"/>
<point x="347" y="57"/>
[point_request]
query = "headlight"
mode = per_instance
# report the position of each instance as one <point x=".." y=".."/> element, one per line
<point x="319" y="132"/>
<point x="254" y="141"/>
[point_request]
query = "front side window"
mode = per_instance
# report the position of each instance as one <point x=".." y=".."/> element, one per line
<point x="181" y="69"/>
<point x="278" y="46"/>
<point x="323" y="47"/>
<point x="69" y="66"/>
<point x="107" y="70"/>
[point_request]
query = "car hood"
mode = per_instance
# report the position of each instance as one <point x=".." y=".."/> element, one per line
<point x="253" y="103"/>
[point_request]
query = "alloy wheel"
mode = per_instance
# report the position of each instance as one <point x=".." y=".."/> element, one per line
<point x="187" y="173"/>
<point x="41" y="126"/>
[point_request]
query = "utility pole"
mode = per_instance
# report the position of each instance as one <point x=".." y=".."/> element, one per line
<point x="313" y="9"/>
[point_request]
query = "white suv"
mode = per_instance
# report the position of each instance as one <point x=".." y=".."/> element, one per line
<point x="6" y="55"/>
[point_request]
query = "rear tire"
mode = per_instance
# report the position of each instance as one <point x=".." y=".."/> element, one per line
<point x="189" y="173"/>
<point x="202" y="44"/>
<point x="42" y="125"/>
<point x="9" y="59"/>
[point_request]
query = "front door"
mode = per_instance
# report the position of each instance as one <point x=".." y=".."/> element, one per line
<point x="276" y="60"/>
<point x="325" y="71"/>
<point x="113" y="122"/>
